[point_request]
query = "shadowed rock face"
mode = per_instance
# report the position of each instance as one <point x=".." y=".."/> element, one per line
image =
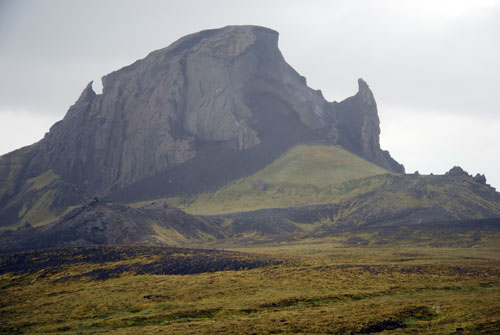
<point x="224" y="94"/>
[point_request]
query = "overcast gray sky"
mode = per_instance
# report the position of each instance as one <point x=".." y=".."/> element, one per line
<point x="433" y="65"/>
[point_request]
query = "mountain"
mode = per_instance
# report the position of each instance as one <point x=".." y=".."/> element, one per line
<point x="217" y="138"/>
<point x="213" y="107"/>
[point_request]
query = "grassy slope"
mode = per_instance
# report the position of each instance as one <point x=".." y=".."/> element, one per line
<point x="39" y="200"/>
<point x="303" y="175"/>
<point x="35" y="200"/>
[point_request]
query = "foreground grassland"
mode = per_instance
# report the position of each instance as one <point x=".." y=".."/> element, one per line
<point x="314" y="287"/>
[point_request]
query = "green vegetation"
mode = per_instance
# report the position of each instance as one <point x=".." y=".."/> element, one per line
<point x="315" y="165"/>
<point x="307" y="174"/>
<point x="40" y="211"/>
<point x="322" y="287"/>
<point x="41" y="181"/>
<point x="37" y="196"/>
<point x="40" y="200"/>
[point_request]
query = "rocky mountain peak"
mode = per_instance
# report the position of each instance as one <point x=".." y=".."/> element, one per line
<point x="84" y="101"/>
<point x="88" y="94"/>
<point x="366" y="95"/>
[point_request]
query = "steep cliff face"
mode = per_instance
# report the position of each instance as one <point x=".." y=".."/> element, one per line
<point x="225" y="94"/>
<point x="357" y="128"/>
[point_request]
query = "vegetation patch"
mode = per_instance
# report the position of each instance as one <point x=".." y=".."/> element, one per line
<point x="42" y="180"/>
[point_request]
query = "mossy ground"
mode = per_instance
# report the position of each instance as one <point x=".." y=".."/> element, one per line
<point x="322" y="287"/>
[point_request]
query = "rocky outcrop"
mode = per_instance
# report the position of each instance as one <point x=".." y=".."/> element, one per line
<point x="480" y="178"/>
<point x="458" y="172"/>
<point x="224" y="94"/>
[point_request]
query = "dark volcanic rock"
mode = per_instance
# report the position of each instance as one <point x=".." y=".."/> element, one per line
<point x="211" y="107"/>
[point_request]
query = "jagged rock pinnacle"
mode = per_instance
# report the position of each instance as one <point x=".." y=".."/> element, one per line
<point x="362" y="84"/>
<point x="88" y="93"/>
<point x="366" y="94"/>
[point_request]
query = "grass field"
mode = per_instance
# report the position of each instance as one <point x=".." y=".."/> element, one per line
<point x="309" y="287"/>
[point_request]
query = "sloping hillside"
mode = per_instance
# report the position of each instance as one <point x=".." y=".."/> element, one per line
<point x="413" y="199"/>
<point x="306" y="174"/>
